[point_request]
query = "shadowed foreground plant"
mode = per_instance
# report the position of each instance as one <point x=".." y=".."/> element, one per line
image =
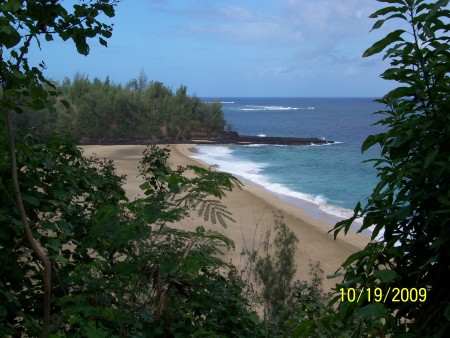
<point x="409" y="207"/>
<point x="120" y="268"/>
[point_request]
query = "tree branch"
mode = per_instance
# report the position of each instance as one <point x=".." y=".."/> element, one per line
<point x="28" y="233"/>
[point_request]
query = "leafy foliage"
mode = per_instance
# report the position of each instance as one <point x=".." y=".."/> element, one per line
<point x="276" y="274"/>
<point x="61" y="191"/>
<point x="409" y="208"/>
<point x="113" y="267"/>
<point x="177" y="193"/>
<point x="22" y="23"/>
<point x="285" y="301"/>
<point x="96" y="111"/>
<point x="120" y="269"/>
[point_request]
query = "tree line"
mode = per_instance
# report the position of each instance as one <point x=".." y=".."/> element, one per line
<point x="96" y="110"/>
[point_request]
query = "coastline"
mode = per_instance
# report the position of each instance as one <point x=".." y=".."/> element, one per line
<point x="253" y="208"/>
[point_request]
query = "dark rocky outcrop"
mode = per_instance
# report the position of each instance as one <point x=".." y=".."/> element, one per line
<point x="235" y="138"/>
<point x="229" y="137"/>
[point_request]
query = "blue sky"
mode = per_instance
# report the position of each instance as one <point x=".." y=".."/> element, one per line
<point x="226" y="48"/>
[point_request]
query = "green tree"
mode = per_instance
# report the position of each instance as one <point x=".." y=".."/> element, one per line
<point x="275" y="274"/>
<point x="140" y="83"/>
<point x="119" y="268"/>
<point x="22" y="23"/>
<point x="102" y="111"/>
<point x="407" y="261"/>
<point x="409" y="208"/>
<point x="285" y="301"/>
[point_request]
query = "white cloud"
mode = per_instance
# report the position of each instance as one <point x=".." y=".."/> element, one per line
<point x="318" y="23"/>
<point x="237" y="13"/>
<point x="286" y="38"/>
<point x="326" y="20"/>
<point x="264" y="33"/>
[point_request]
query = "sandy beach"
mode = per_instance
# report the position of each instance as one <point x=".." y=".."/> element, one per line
<point x="253" y="208"/>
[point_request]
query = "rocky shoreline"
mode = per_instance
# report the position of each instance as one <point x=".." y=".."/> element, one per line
<point x="225" y="138"/>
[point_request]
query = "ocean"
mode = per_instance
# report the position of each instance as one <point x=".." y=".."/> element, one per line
<point x="325" y="180"/>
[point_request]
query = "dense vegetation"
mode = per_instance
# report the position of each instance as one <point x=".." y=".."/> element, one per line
<point x="99" y="111"/>
<point x="78" y="259"/>
<point x="409" y="208"/>
<point x="118" y="268"/>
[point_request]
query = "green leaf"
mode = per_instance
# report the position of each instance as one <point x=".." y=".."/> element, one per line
<point x="65" y="35"/>
<point x="64" y="261"/>
<point x="54" y="243"/>
<point x="48" y="37"/>
<point x="10" y="297"/>
<point x="385" y="276"/>
<point x="173" y="184"/>
<point x="192" y="265"/>
<point x="103" y="42"/>
<point x="61" y="195"/>
<point x="370" y="141"/>
<point x="65" y="103"/>
<point x="336" y="275"/>
<point x="437" y="7"/>
<point x="3" y="312"/>
<point x="359" y="255"/>
<point x="304" y="329"/>
<point x="200" y="230"/>
<point x="81" y="44"/>
<point x="344" y="224"/>
<point x="310" y="306"/>
<point x="378" y="24"/>
<point x="377" y="230"/>
<point x="145" y="186"/>
<point x="30" y="200"/>
<point x="430" y="158"/>
<point x="108" y="313"/>
<point x="371" y="311"/>
<point x="12" y="39"/>
<point x="109" y="10"/>
<point x="254" y="318"/>
<point x="106" y="33"/>
<point x="383" y="11"/>
<point x="378" y="46"/>
<point x="66" y="227"/>
<point x="399" y="92"/>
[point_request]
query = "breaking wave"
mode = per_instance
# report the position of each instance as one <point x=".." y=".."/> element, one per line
<point x="221" y="157"/>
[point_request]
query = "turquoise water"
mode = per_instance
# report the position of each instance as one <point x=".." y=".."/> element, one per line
<point x="325" y="180"/>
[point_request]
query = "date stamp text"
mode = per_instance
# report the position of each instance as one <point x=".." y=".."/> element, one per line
<point x="378" y="295"/>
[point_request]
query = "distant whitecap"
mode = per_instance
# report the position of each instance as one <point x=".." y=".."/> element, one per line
<point x="258" y="108"/>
